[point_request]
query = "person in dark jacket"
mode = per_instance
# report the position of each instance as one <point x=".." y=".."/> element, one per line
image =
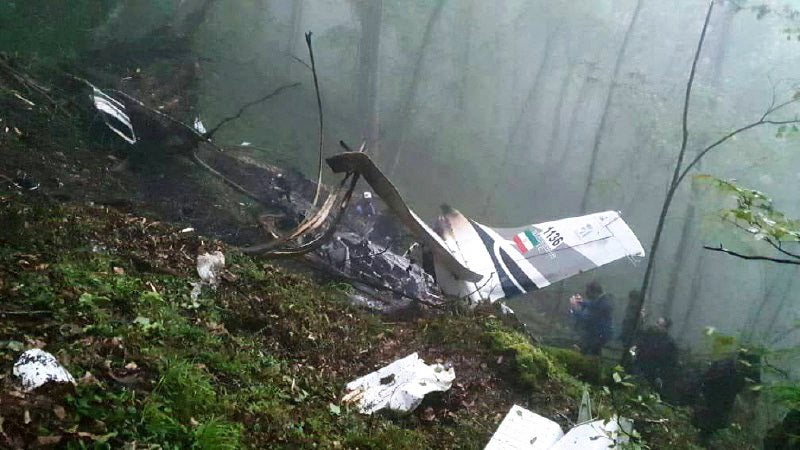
<point x="592" y="316"/>
<point x="656" y="357"/>
<point x="720" y="384"/>
<point x="364" y="206"/>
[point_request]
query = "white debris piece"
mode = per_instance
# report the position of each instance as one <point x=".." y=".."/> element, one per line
<point x="597" y="435"/>
<point x="506" y="310"/>
<point x="210" y="266"/>
<point x="113" y="109"/>
<point x="523" y="429"/>
<point x="36" y="367"/>
<point x="198" y="126"/>
<point x="400" y="386"/>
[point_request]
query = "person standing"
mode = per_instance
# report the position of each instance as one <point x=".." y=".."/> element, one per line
<point x="592" y="316"/>
<point x="657" y="355"/>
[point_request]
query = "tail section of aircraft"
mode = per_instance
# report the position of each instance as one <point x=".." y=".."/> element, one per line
<point x="483" y="263"/>
<point x="514" y="261"/>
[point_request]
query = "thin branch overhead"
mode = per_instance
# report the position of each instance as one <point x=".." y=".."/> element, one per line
<point x="244" y="107"/>
<point x="722" y="249"/>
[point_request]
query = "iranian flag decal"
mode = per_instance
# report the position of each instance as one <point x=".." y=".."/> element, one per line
<point x="526" y="241"/>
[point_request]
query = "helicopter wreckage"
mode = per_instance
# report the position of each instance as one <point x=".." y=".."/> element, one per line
<point x="457" y="257"/>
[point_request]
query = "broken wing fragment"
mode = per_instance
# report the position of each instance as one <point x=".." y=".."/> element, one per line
<point x="524" y="429"/>
<point x="400" y="386"/>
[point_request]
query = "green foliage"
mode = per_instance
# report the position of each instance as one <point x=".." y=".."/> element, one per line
<point x="260" y="363"/>
<point x="187" y="388"/>
<point x="217" y="434"/>
<point x="51" y="29"/>
<point x="623" y="397"/>
<point x="755" y="212"/>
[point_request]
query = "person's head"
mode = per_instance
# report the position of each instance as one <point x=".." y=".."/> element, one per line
<point x="367" y="195"/>
<point x="663" y="323"/>
<point x="593" y="290"/>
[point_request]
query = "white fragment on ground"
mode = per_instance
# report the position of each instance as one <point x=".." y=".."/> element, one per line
<point x="209" y="267"/>
<point x="198" y="126"/>
<point x="597" y="435"/>
<point x="36" y="367"/>
<point x="400" y="386"/>
<point x="523" y="429"/>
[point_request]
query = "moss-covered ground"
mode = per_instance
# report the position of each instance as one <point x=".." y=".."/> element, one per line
<point x="259" y="363"/>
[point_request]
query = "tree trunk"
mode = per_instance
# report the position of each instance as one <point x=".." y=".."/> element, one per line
<point x="406" y="114"/>
<point x="601" y="127"/>
<point x="575" y="116"/>
<point x="716" y="48"/>
<point x="694" y="293"/>
<point x="512" y="137"/>
<point x="687" y="231"/>
<point x="464" y="59"/>
<point x="555" y="129"/>
<point x="369" y="14"/>
<point x="295" y="21"/>
<point x="677" y="177"/>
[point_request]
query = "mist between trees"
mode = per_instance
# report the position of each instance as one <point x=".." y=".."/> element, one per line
<point x="517" y="112"/>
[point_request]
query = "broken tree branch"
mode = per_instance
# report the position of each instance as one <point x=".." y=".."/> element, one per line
<point x="722" y="249"/>
<point x="25" y="313"/>
<point x="319" y="109"/>
<point x="244" y="107"/>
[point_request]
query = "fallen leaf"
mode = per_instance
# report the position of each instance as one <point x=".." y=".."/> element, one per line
<point x="48" y="440"/>
<point x="59" y="411"/>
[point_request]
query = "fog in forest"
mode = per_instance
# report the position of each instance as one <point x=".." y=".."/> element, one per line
<point x="522" y="112"/>
<point x="514" y="112"/>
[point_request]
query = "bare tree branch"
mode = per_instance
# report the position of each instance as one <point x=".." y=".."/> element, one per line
<point x="752" y="257"/>
<point x="244" y="107"/>
<point x="762" y="121"/>
<point x="777" y="246"/>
